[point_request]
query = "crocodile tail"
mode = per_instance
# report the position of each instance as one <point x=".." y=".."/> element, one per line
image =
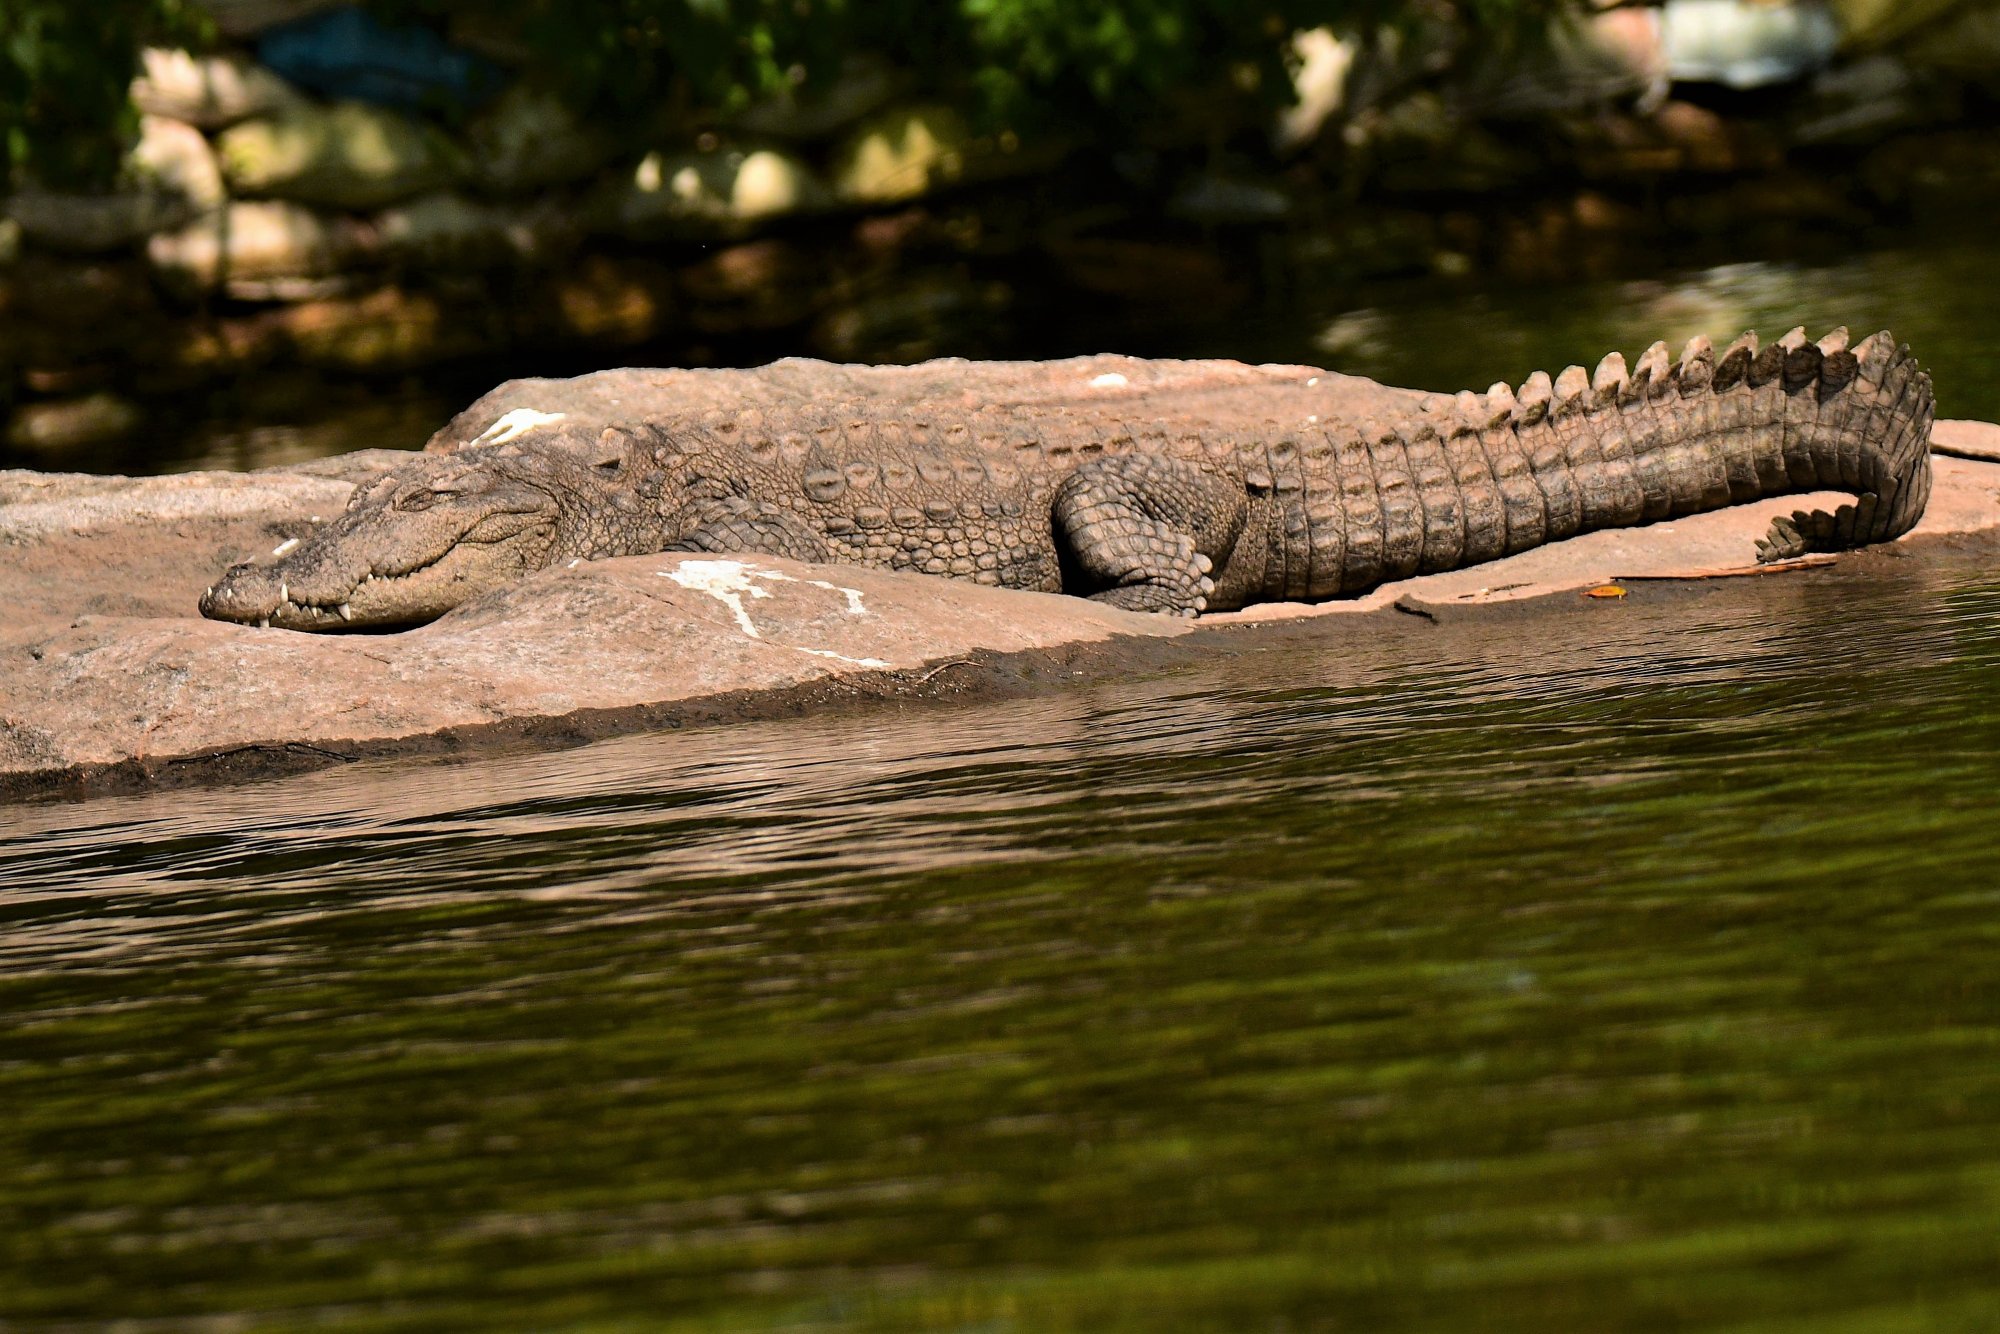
<point x="1672" y="437"/>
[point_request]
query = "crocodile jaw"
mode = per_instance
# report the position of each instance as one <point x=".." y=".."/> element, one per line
<point x="378" y="567"/>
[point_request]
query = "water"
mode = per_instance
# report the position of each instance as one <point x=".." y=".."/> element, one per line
<point x="1934" y="293"/>
<point x="1631" y="966"/>
<point x="1625" y="966"/>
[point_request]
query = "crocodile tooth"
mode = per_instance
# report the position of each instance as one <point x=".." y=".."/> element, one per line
<point x="1697" y="365"/>
<point x="1733" y="366"/>
<point x="346" y="612"/>
<point x="284" y="591"/>
<point x="263" y="622"/>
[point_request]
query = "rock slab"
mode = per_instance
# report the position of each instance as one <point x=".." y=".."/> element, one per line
<point x="104" y="662"/>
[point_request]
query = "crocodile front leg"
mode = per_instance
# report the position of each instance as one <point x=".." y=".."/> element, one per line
<point x="1145" y="533"/>
<point x="741" y="524"/>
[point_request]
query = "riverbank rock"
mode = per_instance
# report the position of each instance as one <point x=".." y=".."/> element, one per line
<point x="449" y="231"/>
<point x="901" y="154"/>
<point x="106" y="668"/>
<point x="721" y="192"/>
<point x="209" y="92"/>
<point x="262" y="250"/>
<point x="529" y="140"/>
<point x="104" y="661"/>
<point x="342" y="155"/>
<point x="169" y="177"/>
<point x="54" y="428"/>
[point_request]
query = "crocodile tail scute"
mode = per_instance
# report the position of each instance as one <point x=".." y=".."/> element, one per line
<point x="1672" y="436"/>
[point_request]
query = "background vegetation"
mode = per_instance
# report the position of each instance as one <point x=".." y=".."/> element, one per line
<point x="65" y="66"/>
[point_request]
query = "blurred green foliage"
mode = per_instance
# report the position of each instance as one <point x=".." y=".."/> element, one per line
<point x="64" y="70"/>
<point x="65" y="65"/>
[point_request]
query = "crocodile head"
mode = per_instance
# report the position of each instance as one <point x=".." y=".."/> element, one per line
<point x="441" y="530"/>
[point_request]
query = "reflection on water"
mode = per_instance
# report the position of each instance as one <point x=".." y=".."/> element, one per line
<point x="1935" y="296"/>
<point x="1635" y="967"/>
<point x="1426" y="335"/>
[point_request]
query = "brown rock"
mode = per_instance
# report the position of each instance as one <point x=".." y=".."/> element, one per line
<point x="103" y="659"/>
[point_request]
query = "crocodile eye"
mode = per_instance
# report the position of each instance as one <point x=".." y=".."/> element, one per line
<point x="411" y="502"/>
<point x="611" y="467"/>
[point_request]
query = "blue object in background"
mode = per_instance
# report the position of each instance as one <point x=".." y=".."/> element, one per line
<point x="347" y="52"/>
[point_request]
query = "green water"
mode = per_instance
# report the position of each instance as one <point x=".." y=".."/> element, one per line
<point x="1632" y="968"/>
<point x="1935" y="292"/>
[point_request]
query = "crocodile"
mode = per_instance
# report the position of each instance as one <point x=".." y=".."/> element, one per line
<point x="1170" y="487"/>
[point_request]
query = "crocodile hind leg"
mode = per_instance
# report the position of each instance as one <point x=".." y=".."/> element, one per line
<point x="1145" y="533"/>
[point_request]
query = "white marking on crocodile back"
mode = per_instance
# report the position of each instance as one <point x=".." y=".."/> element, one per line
<point x="1109" y="380"/>
<point x="515" y="424"/>
<point x="730" y="581"/>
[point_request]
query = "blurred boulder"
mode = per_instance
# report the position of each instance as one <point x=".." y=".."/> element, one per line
<point x="10" y="241"/>
<point x="1320" y="64"/>
<point x="529" y="139"/>
<point x="900" y="154"/>
<point x="1586" y="59"/>
<point x="210" y="92"/>
<point x="345" y="155"/>
<point x="719" y="192"/>
<point x="449" y="231"/>
<point x="1861" y="102"/>
<point x="58" y="427"/>
<point x="1744" y="44"/>
<point x="260" y="251"/>
<point x="348" y="53"/>
<point x="169" y="177"/>
<point x="863" y="83"/>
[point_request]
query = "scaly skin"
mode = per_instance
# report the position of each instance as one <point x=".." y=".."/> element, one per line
<point x="1174" y="514"/>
